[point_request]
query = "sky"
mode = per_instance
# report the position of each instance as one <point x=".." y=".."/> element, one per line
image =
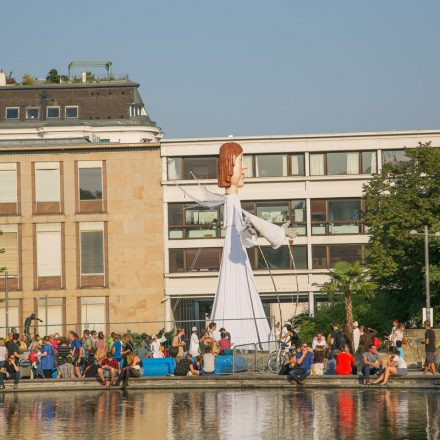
<point x="246" y="67"/>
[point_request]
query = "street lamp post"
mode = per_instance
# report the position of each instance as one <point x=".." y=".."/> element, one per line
<point x="426" y="235"/>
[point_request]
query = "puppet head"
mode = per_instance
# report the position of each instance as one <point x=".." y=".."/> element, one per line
<point x="230" y="166"/>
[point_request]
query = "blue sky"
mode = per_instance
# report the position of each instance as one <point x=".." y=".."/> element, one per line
<point x="247" y="67"/>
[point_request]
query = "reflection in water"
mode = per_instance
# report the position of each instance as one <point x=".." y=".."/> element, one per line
<point x="229" y="414"/>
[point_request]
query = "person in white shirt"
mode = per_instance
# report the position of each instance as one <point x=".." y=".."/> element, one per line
<point x="396" y="367"/>
<point x="319" y="345"/>
<point x="155" y="347"/>
<point x="356" y="336"/>
<point x="194" y="347"/>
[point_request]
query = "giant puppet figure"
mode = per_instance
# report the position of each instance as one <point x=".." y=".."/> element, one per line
<point x="237" y="305"/>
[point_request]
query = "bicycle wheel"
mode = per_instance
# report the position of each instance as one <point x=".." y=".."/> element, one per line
<point x="275" y="362"/>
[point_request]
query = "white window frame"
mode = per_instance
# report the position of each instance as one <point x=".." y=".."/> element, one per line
<point x="53" y="117"/>
<point x="47" y="166"/>
<point x="12" y="108"/>
<point x="33" y="108"/>
<point x="92" y="227"/>
<point x="71" y="106"/>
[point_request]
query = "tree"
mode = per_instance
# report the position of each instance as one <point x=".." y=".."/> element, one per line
<point x="348" y="280"/>
<point x="52" y="76"/>
<point x="27" y="79"/>
<point x="404" y="196"/>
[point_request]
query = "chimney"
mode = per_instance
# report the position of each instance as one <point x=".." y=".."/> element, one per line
<point x="2" y="78"/>
<point x="83" y="77"/>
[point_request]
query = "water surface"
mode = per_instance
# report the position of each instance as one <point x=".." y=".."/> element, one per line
<point x="230" y="414"/>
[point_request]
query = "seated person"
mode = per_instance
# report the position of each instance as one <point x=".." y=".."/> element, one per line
<point x="372" y="363"/>
<point x="108" y="367"/>
<point x="183" y="367"/>
<point x="302" y="369"/>
<point x="396" y="367"/>
<point x="66" y="370"/>
<point x="399" y="349"/>
<point x="289" y="364"/>
<point x="225" y="344"/>
<point x="195" y="367"/>
<point x="345" y="365"/>
<point x="10" y="370"/>
<point x="208" y="366"/>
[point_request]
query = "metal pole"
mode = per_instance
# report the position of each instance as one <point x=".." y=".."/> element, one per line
<point x="428" y="296"/>
<point x="6" y="303"/>
<point x="45" y="312"/>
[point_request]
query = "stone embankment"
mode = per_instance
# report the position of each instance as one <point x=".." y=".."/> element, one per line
<point x="413" y="380"/>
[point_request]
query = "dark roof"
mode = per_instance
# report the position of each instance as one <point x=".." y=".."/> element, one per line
<point x="90" y="85"/>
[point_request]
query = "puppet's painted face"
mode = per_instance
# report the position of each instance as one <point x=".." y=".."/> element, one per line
<point x="237" y="178"/>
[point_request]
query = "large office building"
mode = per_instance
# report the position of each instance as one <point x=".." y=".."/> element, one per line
<point x="315" y="181"/>
<point x="80" y="206"/>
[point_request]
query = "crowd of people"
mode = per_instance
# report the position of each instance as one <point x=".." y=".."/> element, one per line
<point x="345" y="353"/>
<point x="112" y="359"/>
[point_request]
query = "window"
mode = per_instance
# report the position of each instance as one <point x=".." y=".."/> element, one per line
<point x="298" y="219"/>
<point x="53" y="112"/>
<point x="94" y="312"/>
<point x="336" y="216"/>
<point x="47" y="183"/>
<point x="369" y="165"/>
<point x="194" y="260"/>
<point x="71" y="111"/>
<point x="92" y="248"/>
<point x="51" y="311"/>
<point x="174" y="167"/>
<point x="8" y="183"/>
<point x="32" y="113"/>
<point x="201" y="167"/>
<point x="9" y="241"/>
<point x="343" y="163"/>
<point x="394" y="157"/>
<point x="279" y="259"/>
<point x="317" y="164"/>
<point x="186" y="222"/>
<point x="12" y="112"/>
<point x="248" y="162"/>
<point x="275" y="212"/>
<point x="49" y="255"/>
<point x="297" y="164"/>
<point x="14" y="306"/>
<point x="326" y="256"/>
<point x="271" y="165"/>
<point x="91" y="183"/>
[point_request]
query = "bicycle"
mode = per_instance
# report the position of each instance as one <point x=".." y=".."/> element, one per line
<point x="277" y="358"/>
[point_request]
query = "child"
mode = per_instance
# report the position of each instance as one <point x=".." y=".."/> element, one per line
<point x="399" y="349"/>
<point x="34" y="358"/>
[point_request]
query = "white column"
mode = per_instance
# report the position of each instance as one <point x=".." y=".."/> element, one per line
<point x="168" y="313"/>
<point x="311" y="304"/>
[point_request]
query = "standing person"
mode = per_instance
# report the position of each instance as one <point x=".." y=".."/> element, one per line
<point x="319" y="346"/>
<point x="208" y="366"/>
<point x="13" y="346"/>
<point x="178" y="343"/>
<point x="3" y="352"/>
<point x="194" y="348"/>
<point x="391" y="336"/>
<point x="77" y="352"/>
<point x="429" y="343"/>
<point x="372" y="363"/>
<point x="47" y="358"/>
<point x="65" y="368"/>
<point x="396" y="366"/>
<point x="94" y="339"/>
<point x="223" y="330"/>
<point x="356" y="336"/>
<point x="155" y="347"/>
<point x="111" y="341"/>
<point x="366" y="338"/>
<point x="302" y="369"/>
<point x="336" y="339"/>
<point x="117" y="348"/>
<point x="345" y="364"/>
<point x="10" y="371"/>
<point x="101" y="347"/>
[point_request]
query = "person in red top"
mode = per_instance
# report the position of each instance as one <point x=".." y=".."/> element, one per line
<point x="345" y="362"/>
<point x="110" y="366"/>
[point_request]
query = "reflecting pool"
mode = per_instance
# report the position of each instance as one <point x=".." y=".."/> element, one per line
<point x="228" y="414"/>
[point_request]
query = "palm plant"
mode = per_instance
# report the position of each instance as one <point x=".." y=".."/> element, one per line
<point x="348" y="280"/>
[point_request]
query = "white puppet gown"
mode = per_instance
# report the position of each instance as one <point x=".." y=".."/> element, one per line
<point x="237" y="304"/>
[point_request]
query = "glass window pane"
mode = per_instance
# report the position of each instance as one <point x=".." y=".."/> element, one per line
<point x="275" y="212"/>
<point x="202" y="259"/>
<point x="345" y="252"/>
<point x="53" y="310"/>
<point x="252" y="253"/>
<point x="53" y="112"/>
<point x="13" y="315"/>
<point x="12" y="113"/>
<point x="395" y="157"/>
<point x="92" y="252"/>
<point x="369" y="162"/>
<point x="277" y="259"/>
<point x="316" y="164"/>
<point x="299" y="216"/>
<point x="90" y="183"/>
<point x="49" y="254"/>
<point x="32" y="113"/>
<point x="201" y="167"/>
<point x="343" y="163"/>
<point x="271" y="165"/>
<point x="300" y="256"/>
<point x="175" y="214"/>
<point x="297" y="163"/>
<point x="247" y="206"/>
<point x="47" y="185"/>
<point x="71" y="112"/>
<point x="174" y="166"/>
<point x="93" y="314"/>
<point x="344" y="216"/>
<point x="176" y="260"/>
<point x="8" y="186"/>
<point x="200" y="217"/>
<point x="247" y="162"/>
<point x="319" y="257"/>
<point x="9" y="258"/>
<point x="318" y="210"/>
